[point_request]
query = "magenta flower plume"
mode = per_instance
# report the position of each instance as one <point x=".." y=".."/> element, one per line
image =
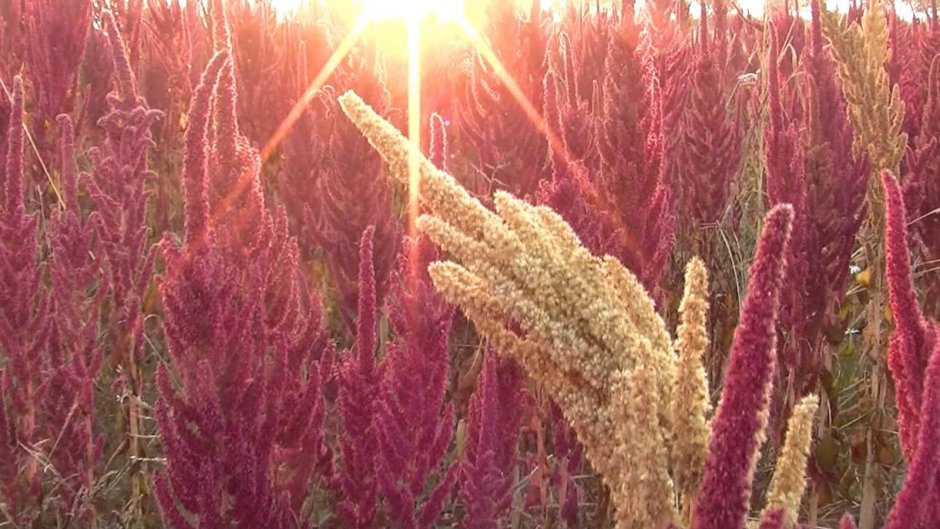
<point x="242" y="428"/>
<point x="225" y="105"/>
<point x="19" y="274"/>
<point x="334" y="189"/>
<point x="739" y="424"/>
<point x="226" y="99"/>
<point x="837" y="181"/>
<point x="24" y="325"/>
<point x="488" y="468"/>
<point x="904" y="70"/>
<point x="922" y="180"/>
<point x="621" y="139"/>
<point x="168" y="51"/>
<point x="56" y="35"/>
<point x="570" y="191"/>
<point x="352" y="194"/>
<point x="667" y="49"/>
<point x="713" y="144"/>
<point x="195" y="159"/>
<point x="357" y="402"/>
<point x="262" y="55"/>
<point x="414" y="420"/>
<point x="632" y="143"/>
<point x="124" y="76"/>
<point x="574" y="120"/>
<point x="786" y="178"/>
<point x="786" y="183"/>
<point x="12" y="182"/>
<point x="74" y="354"/>
<point x="119" y="191"/>
<point x="833" y="158"/>
<point x="365" y="324"/>
<point x="69" y="169"/>
<point x="219" y="29"/>
<point x="914" y="337"/>
<point x="303" y="152"/>
<point x="916" y="505"/>
<point x="506" y="144"/>
<point x="235" y="197"/>
<point x="97" y="78"/>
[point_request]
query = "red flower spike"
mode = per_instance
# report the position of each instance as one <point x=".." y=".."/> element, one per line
<point x="914" y="338"/>
<point x="916" y="505"/>
<point x="195" y="159"/>
<point x="737" y="428"/>
<point x="356" y="480"/>
<point x="488" y="468"/>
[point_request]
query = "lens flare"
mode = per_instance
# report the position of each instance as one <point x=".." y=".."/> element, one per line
<point x="442" y="10"/>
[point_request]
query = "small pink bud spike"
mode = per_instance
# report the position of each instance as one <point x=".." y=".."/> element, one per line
<point x="13" y="171"/>
<point x="195" y="160"/>
<point x="365" y="326"/>
<point x="847" y="522"/>
<point x="123" y="73"/>
<point x="438" y="150"/>
<point x="226" y="117"/>
<point x="69" y="169"/>
<point x="221" y="35"/>
<point x="773" y="520"/>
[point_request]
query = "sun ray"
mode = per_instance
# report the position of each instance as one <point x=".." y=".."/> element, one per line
<point x="297" y="110"/>
<point x="480" y="44"/>
<point x="413" y="26"/>
<point x="414" y="120"/>
<point x="443" y="11"/>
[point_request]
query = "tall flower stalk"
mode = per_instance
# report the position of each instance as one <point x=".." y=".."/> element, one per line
<point x="914" y="360"/>
<point x="118" y="190"/>
<point x="860" y="51"/>
<point x="24" y="325"/>
<point x="584" y="328"/>
<point x="239" y="415"/>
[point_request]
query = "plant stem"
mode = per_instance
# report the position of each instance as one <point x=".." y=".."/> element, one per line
<point x="874" y="348"/>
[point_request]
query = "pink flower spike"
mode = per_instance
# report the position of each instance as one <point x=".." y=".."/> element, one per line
<point x="773" y="520"/>
<point x="913" y="337"/>
<point x="739" y="424"/>
<point x="916" y="504"/>
<point x="13" y="171"/>
<point x="195" y="159"/>
<point x="847" y="522"/>
<point x="123" y="73"/>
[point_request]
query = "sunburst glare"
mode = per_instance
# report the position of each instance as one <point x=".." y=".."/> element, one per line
<point x="442" y="10"/>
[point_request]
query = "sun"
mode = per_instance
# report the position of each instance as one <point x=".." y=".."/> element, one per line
<point x="381" y="10"/>
<point x="413" y="10"/>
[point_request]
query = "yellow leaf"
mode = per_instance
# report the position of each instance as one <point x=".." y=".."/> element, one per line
<point x="864" y="277"/>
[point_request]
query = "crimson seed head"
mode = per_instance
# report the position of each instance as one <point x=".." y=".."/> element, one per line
<point x="739" y="424"/>
<point x="913" y="338"/>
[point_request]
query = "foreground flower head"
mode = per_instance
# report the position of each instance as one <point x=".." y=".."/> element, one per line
<point x="584" y="328"/>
